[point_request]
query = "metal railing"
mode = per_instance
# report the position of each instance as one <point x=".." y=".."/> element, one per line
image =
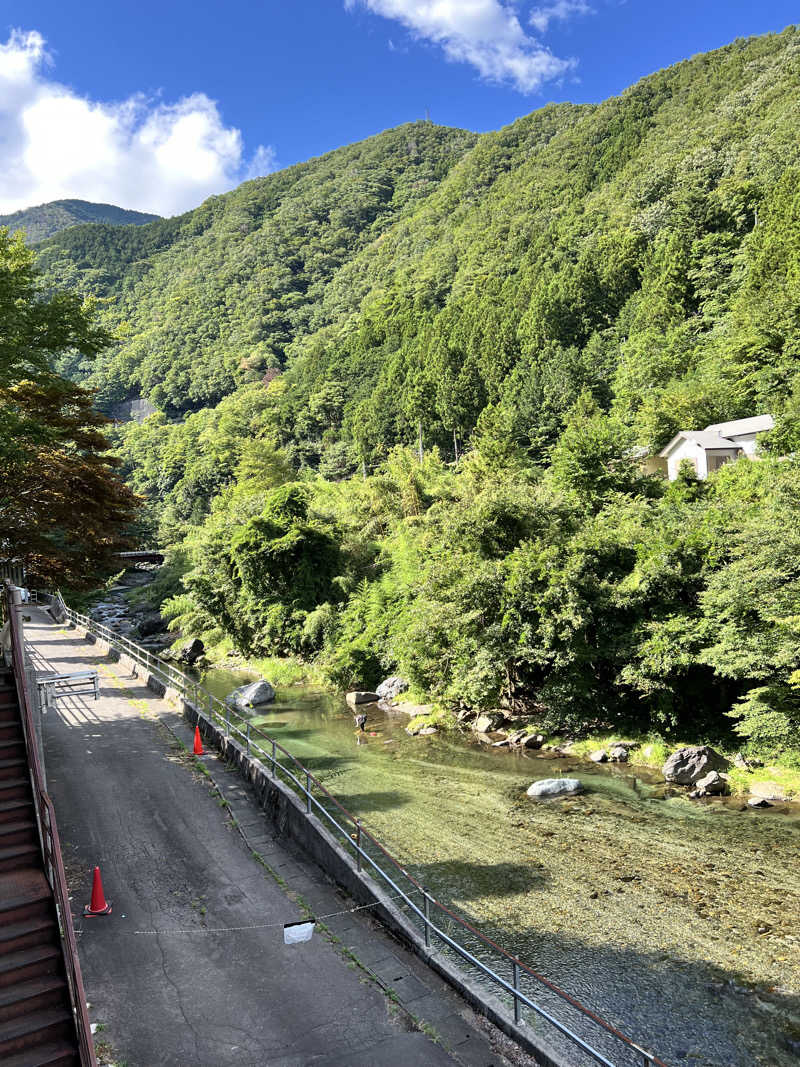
<point x="374" y="859"/>
<point x="48" y="834"/>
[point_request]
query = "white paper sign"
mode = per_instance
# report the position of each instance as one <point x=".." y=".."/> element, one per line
<point x="294" y="933"/>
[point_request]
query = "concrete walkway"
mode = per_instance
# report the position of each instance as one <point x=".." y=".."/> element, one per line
<point x="191" y="968"/>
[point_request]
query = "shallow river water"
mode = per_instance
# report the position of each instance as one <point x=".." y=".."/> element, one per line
<point x="676" y="921"/>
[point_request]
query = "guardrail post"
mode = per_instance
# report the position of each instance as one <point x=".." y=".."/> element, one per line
<point x="248" y="739"/>
<point x="426" y="907"/>
<point x="308" y="793"/>
<point x="273" y="757"/>
<point x="358" y="844"/>
<point x="516" y="990"/>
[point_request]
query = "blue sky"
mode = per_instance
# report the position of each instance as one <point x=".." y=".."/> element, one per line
<point x="157" y="105"/>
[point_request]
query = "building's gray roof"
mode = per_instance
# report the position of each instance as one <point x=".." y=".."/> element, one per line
<point x="704" y="438"/>
<point x="757" y="424"/>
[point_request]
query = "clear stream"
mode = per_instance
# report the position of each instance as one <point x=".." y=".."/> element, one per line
<point x="676" y="921"/>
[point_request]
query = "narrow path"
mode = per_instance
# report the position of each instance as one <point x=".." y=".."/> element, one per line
<point x="168" y="977"/>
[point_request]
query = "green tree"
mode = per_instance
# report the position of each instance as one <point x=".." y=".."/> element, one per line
<point x="63" y="510"/>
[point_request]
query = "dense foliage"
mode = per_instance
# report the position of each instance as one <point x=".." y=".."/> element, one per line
<point x="403" y="385"/>
<point x="63" y="509"/>
<point x="39" y="223"/>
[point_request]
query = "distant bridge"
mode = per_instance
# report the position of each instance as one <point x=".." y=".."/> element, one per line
<point x="145" y="555"/>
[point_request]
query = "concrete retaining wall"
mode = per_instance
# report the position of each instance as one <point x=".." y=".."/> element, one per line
<point x="289" y="816"/>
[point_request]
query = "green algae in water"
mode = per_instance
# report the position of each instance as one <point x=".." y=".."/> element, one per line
<point x="645" y="908"/>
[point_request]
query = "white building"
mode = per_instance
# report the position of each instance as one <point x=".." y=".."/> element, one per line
<point x="707" y="450"/>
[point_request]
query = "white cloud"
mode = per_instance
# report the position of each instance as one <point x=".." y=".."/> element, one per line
<point x="140" y="153"/>
<point x="264" y="161"/>
<point x="561" y="10"/>
<point x="484" y="33"/>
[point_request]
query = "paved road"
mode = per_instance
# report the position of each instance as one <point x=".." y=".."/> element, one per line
<point x="168" y="973"/>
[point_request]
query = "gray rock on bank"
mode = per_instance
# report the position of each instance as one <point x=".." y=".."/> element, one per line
<point x="361" y="696"/>
<point x="191" y="651"/>
<point x="688" y="765"/>
<point x="710" y="785"/>
<point x="522" y="739"/>
<point x="489" y="721"/>
<point x="391" y="687"/>
<point x="251" y="696"/>
<point x="555" y="787"/>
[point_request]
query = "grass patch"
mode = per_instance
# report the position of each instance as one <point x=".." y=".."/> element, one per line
<point x="280" y="671"/>
<point x="788" y="778"/>
<point x="442" y="718"/>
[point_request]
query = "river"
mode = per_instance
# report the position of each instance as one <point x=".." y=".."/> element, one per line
<point x="677" y="921"/>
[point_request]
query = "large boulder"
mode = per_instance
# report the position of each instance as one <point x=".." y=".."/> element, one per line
<point x="252" y="695"/>
<point x="601" y="756"/>
<point x="618" y="753"/>
<point x="391" y="687"/>
<point x="148" y="625"/>
<point x="360" y="696"/>
<point x="489" y="721"/>
<point x="191" y="651"/>
<point x="555" y="787"/>
<point x="688" y="765"/>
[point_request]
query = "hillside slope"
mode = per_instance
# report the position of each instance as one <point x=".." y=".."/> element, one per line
<point x="212" y="298"/>
<point x="46" y="220"/>
<point x="424" y="276"/>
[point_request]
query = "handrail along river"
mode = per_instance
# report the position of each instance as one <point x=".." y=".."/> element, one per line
<point x="221" y="713"/>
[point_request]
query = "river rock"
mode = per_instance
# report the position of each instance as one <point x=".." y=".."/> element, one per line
<point x="522" y="740"/>
<point x="252" y="696"/>
<point x="191" y="651"/>
<point x="688" y="765"/>
<point x="489" y="721"/>
<point x="758" y="802"/>
<point x="148" y="625"/>
<point x="711" y="784"/>
<point x="601" y="756"/>
<point x="361" y="696"/>
<point x="555" y="787"/>
<point x="428" y="730"/>
<point x="618" y="753"/>
<point x="392" y="687"/>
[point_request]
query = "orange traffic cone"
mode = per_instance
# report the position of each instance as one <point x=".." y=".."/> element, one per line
<point x="98" y="905"/>
<point x="198" y="742"/>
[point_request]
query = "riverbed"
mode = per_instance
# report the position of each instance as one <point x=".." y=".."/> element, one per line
<point x="676" y="921"/>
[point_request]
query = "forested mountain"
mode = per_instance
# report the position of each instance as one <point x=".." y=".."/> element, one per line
<point x="537" y="302"/>
<point x="425" y="273"/>
<point x="45" y="220"/>
<point x="213" y="298"/>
